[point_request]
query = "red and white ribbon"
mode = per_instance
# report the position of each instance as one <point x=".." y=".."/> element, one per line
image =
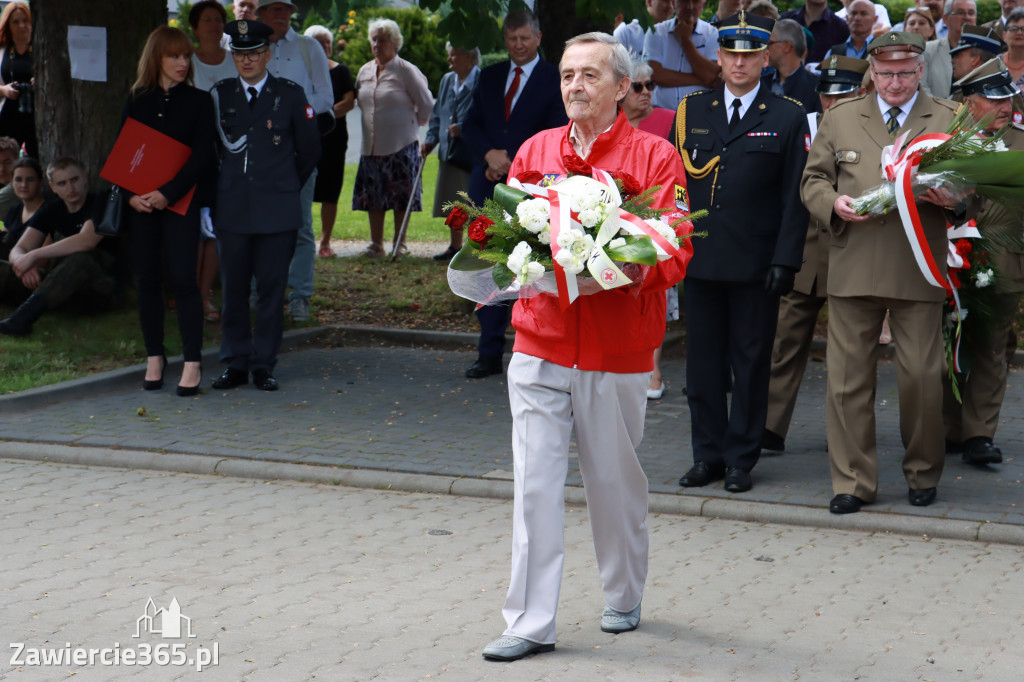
<point x="901" y="172"/>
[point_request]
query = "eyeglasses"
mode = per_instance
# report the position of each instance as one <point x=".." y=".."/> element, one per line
<point x="965" y="13"/>
<point x="639" y="87"/>
<point x="248" y="56"/>
<point x="1015" y="29"/>
<point x="903" y="76"/>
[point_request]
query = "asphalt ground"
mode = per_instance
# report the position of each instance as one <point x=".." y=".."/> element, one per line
<point x="389" y="409"/>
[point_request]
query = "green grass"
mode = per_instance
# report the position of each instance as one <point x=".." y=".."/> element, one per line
<point x="355" y="224"/>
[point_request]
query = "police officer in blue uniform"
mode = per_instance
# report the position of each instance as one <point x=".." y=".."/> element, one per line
<point x="270" y="145"/>
<point x="744" y="149"/>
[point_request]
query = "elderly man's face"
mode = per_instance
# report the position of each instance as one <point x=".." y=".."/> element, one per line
<point x="936" y="7"/>
<point x="277" y="16"/>
<point x="660" y="10"/>
<point x="1001" y="109"/>
<point x="1008" y="6"/>
<point x="861" y="17"/>
<point x="962" y="12"/>
<point x="727" y="8"/>
<point x="964" y="62"/>
<point x="690" y="9"/>
<point x="590" y="90"/>
<point x="245" y="9"/>
<point x="896" y="80"/>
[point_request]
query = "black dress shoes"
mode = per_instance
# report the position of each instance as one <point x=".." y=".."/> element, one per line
<point x="485" y="366"/>
<point x="737" y="480"/>
<point x="981" y="450"/>
<point x="263" y="380"/>
<point x="231" y="378"/>
<point x="845" y="504"/>
<point x="700" y="475"/>
<point x="923" y="497"/>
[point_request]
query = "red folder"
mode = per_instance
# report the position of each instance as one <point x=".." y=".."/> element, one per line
<point x="144" y="159"/>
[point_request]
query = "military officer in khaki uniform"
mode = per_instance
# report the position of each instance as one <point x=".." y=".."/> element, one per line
<point x="989" y="90"/>
<point x="872" y="268"/>
<point x="841" y="78"/>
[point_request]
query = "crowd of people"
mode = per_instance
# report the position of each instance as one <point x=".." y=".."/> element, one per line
<point x="770" y="123"/>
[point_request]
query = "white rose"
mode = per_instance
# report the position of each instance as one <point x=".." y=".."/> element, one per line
<point x="587" y="197"/>
<point x="530" y="274"/>
<point x="544" y="236"/>
<point x="589" y="217"/>
<point x="517" y="259"/>
<point x="983" y="278"/>
<point x="533" y="214"/>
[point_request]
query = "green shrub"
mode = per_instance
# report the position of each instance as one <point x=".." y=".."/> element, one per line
<point x="422" y="46"/>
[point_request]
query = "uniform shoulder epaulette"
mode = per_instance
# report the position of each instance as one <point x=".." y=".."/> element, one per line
<point x="794" y="101"/>
<point x="289" y="83"/>
<point x="695" y="93"/>
<point x="1017" y="126"/>
<point x="847" y="101"/>
<point x="949" y="104"/>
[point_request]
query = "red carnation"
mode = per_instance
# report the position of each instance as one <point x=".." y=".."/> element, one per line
<point x="574" y="165"/>
<point x="478" y="229"/>
<point x="963" y="246"/>
<point x="630" y="186"/>
<point x="530" y="177"/>
<point x="456" y="219"/>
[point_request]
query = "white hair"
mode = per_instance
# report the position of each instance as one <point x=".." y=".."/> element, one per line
<point x="618" y="57"/>
<point x="389" y="28"/>
<point x="317" y="32"/>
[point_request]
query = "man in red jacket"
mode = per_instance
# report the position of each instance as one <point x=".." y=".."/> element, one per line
<point x="585" y="368"/>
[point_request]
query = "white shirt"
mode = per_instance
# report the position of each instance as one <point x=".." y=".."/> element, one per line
<point x="527" y="68"/>
<point x="207" y="75"/>
<point x="884" y="107"/>
<point x="662" y="47"/>
<point x="258" y="86"/>
<point x="288" y="60"/>
<point x="745" y="102"/>
<point x="632" y="36"/>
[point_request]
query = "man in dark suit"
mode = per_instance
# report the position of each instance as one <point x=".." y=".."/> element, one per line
<point x="270" y="145"/>
<point x="513" y="101"/>
<point x="744" y="149"/>
<point x="789" y="77"/>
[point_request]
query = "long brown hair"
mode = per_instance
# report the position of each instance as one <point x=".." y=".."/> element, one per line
<point x="5" y="20"/>
<point x="164" y="40"/>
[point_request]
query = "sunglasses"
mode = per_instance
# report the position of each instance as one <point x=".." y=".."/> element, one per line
<point x="639" y="87"/>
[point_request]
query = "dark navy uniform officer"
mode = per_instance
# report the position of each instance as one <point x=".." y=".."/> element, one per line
<point x="269" y="147"/>
<point x="744" y="149"/>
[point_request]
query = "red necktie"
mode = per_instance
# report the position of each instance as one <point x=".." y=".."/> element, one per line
<point x="512" y="90"/>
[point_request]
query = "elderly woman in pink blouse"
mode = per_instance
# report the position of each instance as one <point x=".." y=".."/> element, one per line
<point x="394" y="100"/>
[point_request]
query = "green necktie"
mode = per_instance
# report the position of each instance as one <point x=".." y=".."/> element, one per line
<point x="892" y="124"/>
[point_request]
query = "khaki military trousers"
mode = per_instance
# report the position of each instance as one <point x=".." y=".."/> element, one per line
<point x="854" y="324"/>
<point x="798" y="313"/>
<point x="983" y="388"/>
<point x="606" y="410"/>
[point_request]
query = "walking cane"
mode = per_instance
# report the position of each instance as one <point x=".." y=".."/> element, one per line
<point x="408" y="211"/>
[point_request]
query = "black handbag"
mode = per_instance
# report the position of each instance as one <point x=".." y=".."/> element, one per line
<point x="113" y="214"/>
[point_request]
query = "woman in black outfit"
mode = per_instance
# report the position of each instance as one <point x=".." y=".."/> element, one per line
<point x="163" y="99"/>
<point x="17" y="110"/>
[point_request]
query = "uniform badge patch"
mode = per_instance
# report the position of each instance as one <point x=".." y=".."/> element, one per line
<point x="807" y="143"/>
<point x="309" y="112"/>
<point x="682" y="202"/>
<point x="1017" y="118"/>
<point x="549" y="179"/>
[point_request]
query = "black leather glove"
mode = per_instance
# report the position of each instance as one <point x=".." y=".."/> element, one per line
<point x="779" y="281"/>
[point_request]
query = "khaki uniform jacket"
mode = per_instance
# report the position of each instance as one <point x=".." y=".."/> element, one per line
<point x="871" y="258"/>
<point x="813" y="274"/>
<point x="1010" y="263"/>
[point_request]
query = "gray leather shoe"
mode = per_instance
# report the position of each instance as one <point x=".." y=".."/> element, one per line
<point x="508" y="648"/>
<point x="616" y="621"/>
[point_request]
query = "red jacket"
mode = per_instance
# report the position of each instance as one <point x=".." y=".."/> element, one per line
<point x="615" y="330"/>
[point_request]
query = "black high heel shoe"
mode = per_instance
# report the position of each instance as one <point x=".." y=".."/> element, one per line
<point x="188" y="391"/>
<point x="155" y="384"/>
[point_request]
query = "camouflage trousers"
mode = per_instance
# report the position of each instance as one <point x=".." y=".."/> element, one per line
<point x="84" y="278"/>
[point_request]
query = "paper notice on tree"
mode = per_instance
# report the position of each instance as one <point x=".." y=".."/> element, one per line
<point x="87" y="49"/>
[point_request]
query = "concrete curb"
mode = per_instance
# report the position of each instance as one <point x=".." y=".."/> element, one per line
<point x="659" y="503"/>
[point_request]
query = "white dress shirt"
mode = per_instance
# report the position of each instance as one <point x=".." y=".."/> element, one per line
<point x="288" y="59"/>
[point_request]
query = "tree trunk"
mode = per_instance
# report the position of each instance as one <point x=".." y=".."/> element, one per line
<point x="558" y="23"/>
<point x="81" y="118"/>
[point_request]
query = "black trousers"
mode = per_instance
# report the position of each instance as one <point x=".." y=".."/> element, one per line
<point x="156" y="238"/>
<point x="730" y="328"/>
<point x="264" y="258"/>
